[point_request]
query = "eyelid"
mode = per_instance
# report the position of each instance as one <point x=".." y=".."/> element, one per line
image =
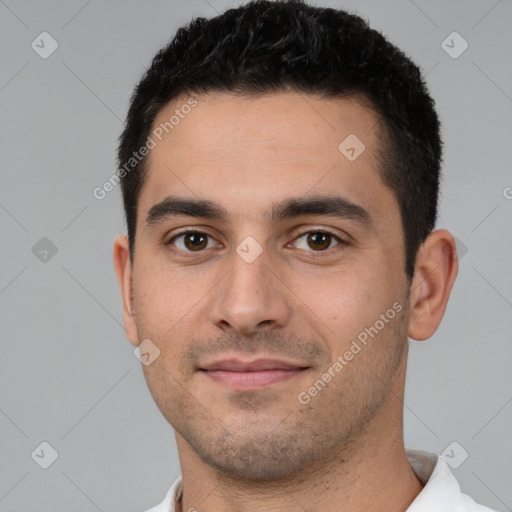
<point x="340" y="235"/>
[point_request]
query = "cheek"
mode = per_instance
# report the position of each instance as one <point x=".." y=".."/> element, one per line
<point x="342" y="299"/>
<point x="163" y="296"/>
<point x="342" y="306"/>
<point x="170" y="311"/>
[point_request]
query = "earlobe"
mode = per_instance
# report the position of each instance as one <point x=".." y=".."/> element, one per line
<point x="124" y="274"/>
<point x="435" y="272"/>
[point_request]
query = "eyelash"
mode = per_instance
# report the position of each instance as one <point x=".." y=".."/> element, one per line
<point x="340" y="241"/>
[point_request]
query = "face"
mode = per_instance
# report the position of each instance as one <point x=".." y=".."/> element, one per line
<point x="290" y="258"/>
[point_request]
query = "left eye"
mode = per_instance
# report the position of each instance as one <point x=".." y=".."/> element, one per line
<point x="318" y="240"/>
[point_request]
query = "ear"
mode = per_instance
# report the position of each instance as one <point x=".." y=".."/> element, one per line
<point x="435" y="271"/>
<point x="123" y="269"/>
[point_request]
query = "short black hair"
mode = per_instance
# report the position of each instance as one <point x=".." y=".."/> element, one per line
<point x="264" y="47"/>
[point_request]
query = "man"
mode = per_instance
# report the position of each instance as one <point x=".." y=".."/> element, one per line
<point x="280" y="173"/>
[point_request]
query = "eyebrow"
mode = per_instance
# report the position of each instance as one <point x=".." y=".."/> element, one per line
<point x="326" y="205"/>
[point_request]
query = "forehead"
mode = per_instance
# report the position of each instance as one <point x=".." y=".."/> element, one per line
<point x="260" y="149"/>
<point x="299" y="123"/>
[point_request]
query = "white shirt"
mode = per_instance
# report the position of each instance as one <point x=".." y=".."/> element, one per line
<point x="441" y="492"/>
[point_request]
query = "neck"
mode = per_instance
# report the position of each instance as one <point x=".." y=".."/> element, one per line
<point x="370" y="477"/>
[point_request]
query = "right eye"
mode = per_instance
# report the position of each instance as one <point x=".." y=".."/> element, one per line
<point x="191" y="241"/>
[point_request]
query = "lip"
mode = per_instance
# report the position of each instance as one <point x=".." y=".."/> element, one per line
<point x="237" y="365"/>
<point x="261" y="373"/>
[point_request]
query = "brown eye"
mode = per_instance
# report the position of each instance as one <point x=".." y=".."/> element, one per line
<point x="190" y="241"/>
<point x="195" y="241"/>
<point x="318" y="241"/>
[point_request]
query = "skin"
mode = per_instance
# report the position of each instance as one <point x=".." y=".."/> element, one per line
<point x="263" y="450"/>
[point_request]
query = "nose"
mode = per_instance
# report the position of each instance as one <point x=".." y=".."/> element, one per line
<point x="251" y="297"/>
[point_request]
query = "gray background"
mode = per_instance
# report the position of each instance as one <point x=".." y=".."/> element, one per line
<point x="69" y="377"/>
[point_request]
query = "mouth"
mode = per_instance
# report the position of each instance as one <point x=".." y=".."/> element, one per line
<point x="258" y="374"/>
